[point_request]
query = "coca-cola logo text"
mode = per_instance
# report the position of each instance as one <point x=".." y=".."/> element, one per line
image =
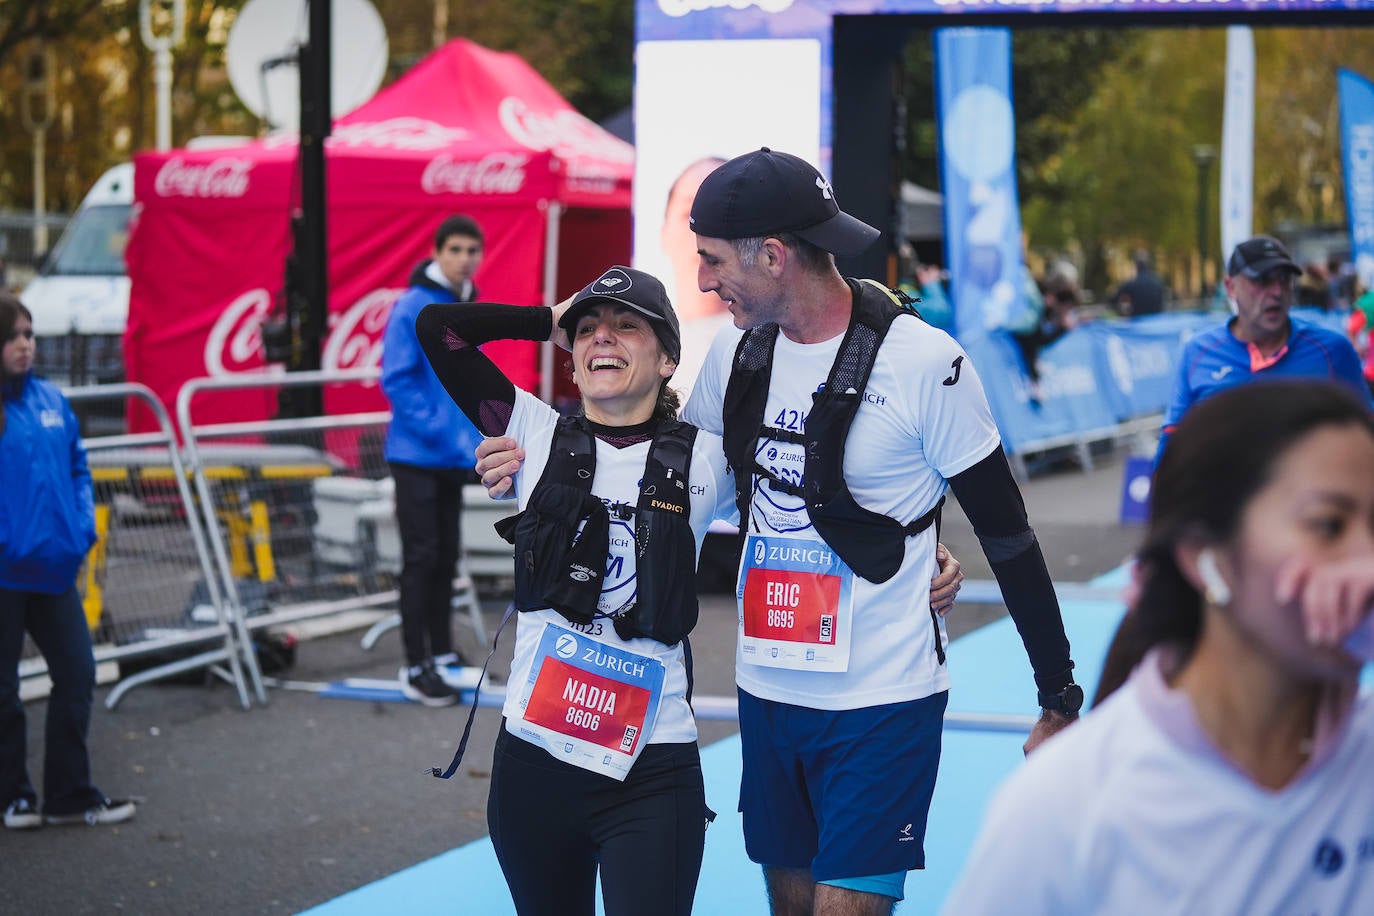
<point x="234" y="345"/>
<point x="226" y="176"/>
<point x="355" y="337"/>
<point x="566" y="132"/>
<point x="497" y="173"/>
<point x="235" y="341"/>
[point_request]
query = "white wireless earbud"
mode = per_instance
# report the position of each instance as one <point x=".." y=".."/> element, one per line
<point x="1218" y="592"/>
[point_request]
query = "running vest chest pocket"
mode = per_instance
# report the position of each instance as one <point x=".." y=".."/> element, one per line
<point x="873" y="545"/>
<point x="556" y="567"/>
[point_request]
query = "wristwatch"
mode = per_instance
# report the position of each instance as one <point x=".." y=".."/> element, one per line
<point x="1066" y="702"/>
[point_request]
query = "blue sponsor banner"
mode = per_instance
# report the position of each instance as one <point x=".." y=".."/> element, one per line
<point x="1357" y="157"/>
<point x="1092" y="378"/>
<point x="1066" y="401"/>
<point x="978" y="173"/>
<point x="1331" y="319"/>
<point x="1137" y="361"/>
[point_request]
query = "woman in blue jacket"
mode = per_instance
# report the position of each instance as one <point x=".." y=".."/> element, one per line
<point x="47" y="525"/>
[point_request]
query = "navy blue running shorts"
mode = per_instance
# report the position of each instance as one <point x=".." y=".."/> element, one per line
<point x="844" y="793"/>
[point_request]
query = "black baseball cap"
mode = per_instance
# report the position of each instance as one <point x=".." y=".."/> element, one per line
<point x="633" y="289"/>
<point x="1257" y="256"/>
<point x="766" y="192"/>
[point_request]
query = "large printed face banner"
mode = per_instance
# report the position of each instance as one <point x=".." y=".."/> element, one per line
<point x="675" y="152"/>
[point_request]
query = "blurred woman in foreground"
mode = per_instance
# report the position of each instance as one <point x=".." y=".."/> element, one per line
<point x="1233" y="771"/>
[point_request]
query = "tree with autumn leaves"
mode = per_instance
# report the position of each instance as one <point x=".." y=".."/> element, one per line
<point x="1106" y="119"/>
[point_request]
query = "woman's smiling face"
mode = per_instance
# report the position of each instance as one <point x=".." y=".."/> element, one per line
<point x="618" y="363"/>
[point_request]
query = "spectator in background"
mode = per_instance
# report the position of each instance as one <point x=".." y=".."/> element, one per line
<point x="1261" y="340"/>
<point x="1340" y="283"/>
<point x="47" y="524"/>
<point x="1231" y="772"/>
<point x="1061" y="299"/>
<point x="1145" y="293"/>
<point x="1360" y="327"/>
<point x="926" y="285"/>
<point x="1314" y="289"/>
<point x="429" y="448"/>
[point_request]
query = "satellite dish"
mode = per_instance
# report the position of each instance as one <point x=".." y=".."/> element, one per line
<point x="264" y="68"/>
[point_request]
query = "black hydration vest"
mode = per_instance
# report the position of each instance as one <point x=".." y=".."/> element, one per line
<point x="557" y="568"/>
<point x="871" y="544"/>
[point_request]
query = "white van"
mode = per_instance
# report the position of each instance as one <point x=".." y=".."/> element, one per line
<point x="80" y="297"/>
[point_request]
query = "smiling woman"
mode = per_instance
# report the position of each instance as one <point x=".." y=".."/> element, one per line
<point x="597" y="766"/>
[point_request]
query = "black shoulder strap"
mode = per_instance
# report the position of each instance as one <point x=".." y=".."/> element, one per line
<point x="746" y="397"/>
<point x="572" y="461"/>
<point x="665" y="485"/>
<point x="572" y="456"/>
<point x="875" y="308"/>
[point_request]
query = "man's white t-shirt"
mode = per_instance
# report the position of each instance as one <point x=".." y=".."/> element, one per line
<point x="924" y="418"/>
<point x="617" y="477"/>
<point x="1133" y="810"/>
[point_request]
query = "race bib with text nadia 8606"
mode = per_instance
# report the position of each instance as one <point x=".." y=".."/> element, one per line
<point x="590" y="704"/>
<point x="796" y="604"/>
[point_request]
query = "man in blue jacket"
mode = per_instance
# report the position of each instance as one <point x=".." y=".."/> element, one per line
<point x="1262" y="340"/>
<point x="429" y="448"/>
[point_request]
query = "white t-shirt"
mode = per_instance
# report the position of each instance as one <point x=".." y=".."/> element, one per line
<point x="1133" y="810"/>
<point x="618" y="472"/>
<point x="911" y="433"/>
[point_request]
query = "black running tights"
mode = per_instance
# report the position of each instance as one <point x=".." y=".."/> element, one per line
<point x="553" y="824"/>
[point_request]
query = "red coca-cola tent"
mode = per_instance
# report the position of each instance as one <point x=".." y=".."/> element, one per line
<point x="467" y="130"/>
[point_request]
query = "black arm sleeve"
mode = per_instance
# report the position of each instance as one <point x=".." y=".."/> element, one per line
<point x="988" y="494"/>
<point x="450" y="335"/>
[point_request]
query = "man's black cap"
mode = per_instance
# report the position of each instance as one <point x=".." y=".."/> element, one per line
<point x="766" y="192"/>
<point x="635" y="290"/>
<point x="1257" y="256"/>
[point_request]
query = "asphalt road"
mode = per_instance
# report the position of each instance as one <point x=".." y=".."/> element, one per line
<point x="293" y="803"/>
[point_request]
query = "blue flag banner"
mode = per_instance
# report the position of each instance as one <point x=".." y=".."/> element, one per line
<point x="1091" y="379"/>
<point x="1357" y="157"/>
<point x="978" y="177"/>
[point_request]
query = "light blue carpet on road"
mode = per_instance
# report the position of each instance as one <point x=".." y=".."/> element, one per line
<point x="990" y="674"/>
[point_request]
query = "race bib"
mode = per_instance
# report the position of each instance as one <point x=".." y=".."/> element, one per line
<point x="796" y="604"/>
<point x="590" y="704"/>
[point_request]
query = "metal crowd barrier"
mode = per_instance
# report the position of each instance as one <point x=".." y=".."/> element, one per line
<point x="149" y="587"/>
<point x="303" y="509"/>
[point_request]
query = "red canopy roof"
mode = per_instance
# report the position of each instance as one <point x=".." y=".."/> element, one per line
<point x="466" y="130"/>
<point x="477" y="121"/>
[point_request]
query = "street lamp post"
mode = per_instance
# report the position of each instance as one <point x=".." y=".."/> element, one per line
<point x="161" y="46"/>
<point x="1203" y="157"/>
<point x="1320" y="186"/>
<point x="39" y="78"/>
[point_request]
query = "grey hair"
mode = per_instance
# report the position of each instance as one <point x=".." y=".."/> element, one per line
<point x="812" y="258"/>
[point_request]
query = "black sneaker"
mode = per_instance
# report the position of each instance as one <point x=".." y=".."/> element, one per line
<point x="110" y="811"/>
<point x="22" y="815"/>
<point x="423" y="684"/>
